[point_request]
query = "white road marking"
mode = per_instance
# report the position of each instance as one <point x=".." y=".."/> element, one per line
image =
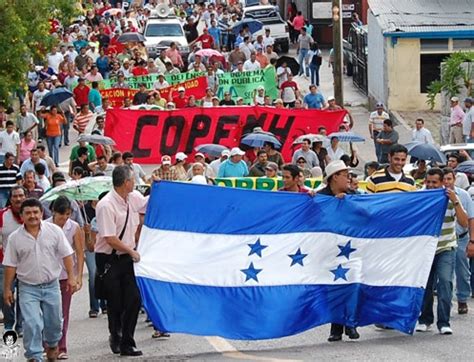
<point x="228" y="350"/>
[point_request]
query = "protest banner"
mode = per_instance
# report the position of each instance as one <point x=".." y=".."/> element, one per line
<point x="239" y="84"/>
<point x="245" y="84"/>
<point x="151" y="134"/>
<point x="117" y="95"/>
<point x="194" y="87"/>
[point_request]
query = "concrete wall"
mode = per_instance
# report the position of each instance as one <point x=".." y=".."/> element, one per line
<point x="376" y="63"/>
<point x="403" y="71"/>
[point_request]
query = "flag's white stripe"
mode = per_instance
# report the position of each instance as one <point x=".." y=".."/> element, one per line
<point x="217" y="260"/>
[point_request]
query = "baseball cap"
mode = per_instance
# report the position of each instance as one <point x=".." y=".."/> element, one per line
<point x="199" y="179"/>
<point x="271" y="166"/>
<point x="225" y="153"/>
<point x="181" y="156"/>
<point x="379" y="105"/>
<point x="199" y="154"/>
<point x="260" y="87"/>
<point x="454" y="99"/>
<point x="239" y="99"/>
<point x="334" y="167"/>
<point x="278" y="100"/>
<point x="468" y="100"/>
<point x="236" y="151"/>
<point x="181" y="89"/>
<point x="331" y="98"/>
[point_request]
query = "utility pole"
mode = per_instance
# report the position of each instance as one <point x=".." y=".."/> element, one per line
<point x="337" y="50"/>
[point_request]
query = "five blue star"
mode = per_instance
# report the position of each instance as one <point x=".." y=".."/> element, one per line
<point x="251" y="272"/>
<point x="297" y="258"/>
<point x="340" y="272"/>
<point x="346" y="250"/>
<point x="256" y="248"/>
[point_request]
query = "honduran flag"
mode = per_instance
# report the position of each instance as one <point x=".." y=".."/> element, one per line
<point x="245" y="264"/>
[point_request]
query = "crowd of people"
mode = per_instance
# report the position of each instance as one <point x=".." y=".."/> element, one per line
<point x="102" y="234"/>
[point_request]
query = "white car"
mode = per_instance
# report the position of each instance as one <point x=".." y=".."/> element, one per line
<point x="456" y="147"/>
<point x="160" y="32"/>
<point x="271" y="19"/>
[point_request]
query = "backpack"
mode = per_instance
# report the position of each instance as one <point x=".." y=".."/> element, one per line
<point x="317" y="59"/>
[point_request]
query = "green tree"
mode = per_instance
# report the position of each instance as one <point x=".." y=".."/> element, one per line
<point x="25" y="37"/>
<point x="453" y="77"/>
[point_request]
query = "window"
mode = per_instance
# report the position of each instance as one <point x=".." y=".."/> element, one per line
<point x="163" y="30"/>
<point x="430" y="69"/>
<point x="463" y="44"/>
<point x="434" y="44"/>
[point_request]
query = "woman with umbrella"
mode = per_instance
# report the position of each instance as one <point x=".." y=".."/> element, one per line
<point x="53" y="122"/>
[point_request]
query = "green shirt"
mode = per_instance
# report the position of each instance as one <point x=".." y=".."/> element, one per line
<point x="91" y="157"/>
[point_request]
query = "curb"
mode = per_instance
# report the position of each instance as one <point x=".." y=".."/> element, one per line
<point x="399" y="120"/>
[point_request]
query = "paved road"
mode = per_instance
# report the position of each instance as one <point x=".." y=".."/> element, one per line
<point x="88" y="337"/>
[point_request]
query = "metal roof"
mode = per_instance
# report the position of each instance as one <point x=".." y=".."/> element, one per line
<point x="424" y="17"/>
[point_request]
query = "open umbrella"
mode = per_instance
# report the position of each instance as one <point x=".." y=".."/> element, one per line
<point x="113" y="12"/>
<point x="290" y="62"/>
<point x="56" y="96"/>
<point x="211" y="149"/>
<point x="131" y="37"/>
<point x="257" y="139"/>
<point x="88" y="188"/>
<point x="208" y="53"/>
<point x="97" y="139"/>
<point x="253" y="25"/>
<point x="466" y="167"/>
<point x="425" y="151"/>
<point x="347" y="137"/>
<point x="311" y="136"/>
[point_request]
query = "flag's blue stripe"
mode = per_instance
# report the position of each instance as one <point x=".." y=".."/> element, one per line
<point x="220" y="210"/>
<point x="275" y="311"/>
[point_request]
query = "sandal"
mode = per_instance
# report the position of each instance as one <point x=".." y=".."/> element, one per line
<point x="63" y="355"/>
<point x="158" y="334"/>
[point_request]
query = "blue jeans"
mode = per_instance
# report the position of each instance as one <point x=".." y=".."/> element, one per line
<point x="94" y="303"/>
<point x="301" y="60"/>
<point x="463" y="272"/>
<point x="441" y="274"/>
<point x="9" y="311"/>
<point x="53" y="148"/>
<point x="41" y="306"/>
<point x="378" y="146"/>
<point x="314" y="73"/>
<point x="65" y="128"/>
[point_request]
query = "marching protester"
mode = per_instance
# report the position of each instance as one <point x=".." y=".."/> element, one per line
<point x="39" y="292"/>
<point x="117" y="221"/>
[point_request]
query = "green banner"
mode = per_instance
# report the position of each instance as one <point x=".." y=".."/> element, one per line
<point x="244" y="84"/>
<point x="241" y="84"/>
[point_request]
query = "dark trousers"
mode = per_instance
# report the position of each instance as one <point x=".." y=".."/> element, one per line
<point x="123" y="297"/>
<point x="337" y="329"/>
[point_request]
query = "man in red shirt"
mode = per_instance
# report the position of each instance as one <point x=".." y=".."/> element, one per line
<point x="81" y="93"/>
<point x="140" y="69"/>
<point x="207" y="41"/>
<point x="289" y="92"/>
<point x="291" y="177"/>
<point x="181" y="100"/>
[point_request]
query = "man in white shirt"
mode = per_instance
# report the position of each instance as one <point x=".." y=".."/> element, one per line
<point x="468" y="121"/>
<point x="282" y="73"/>
<point x="54" y="59"/>
<point x="252" y="63"/>
<point x="420" y="133"/>
<point x="38" y="96"/>
<point x="376" y="119"/>
<point x="217" y="162"/>
<point x="10" y="142"/>
<point x="267" y="39"/>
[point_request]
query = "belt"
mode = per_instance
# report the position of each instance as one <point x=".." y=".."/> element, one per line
<point x="457" y="124"/>
<point x="460" y="236"/>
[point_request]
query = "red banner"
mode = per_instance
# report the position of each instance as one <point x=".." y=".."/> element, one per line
<point x="151" y="134"/>
<point x="195" y="87"/>
<point x="117" y="95"/>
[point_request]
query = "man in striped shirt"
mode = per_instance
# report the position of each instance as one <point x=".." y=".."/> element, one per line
<point x="9" y="176"/>
<point x="392" y="178"/>
<point x="442" y="269"/>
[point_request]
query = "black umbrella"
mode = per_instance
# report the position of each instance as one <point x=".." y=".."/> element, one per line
<point x="290" y="62"/>
<point x="56" y="96"/>
<point x="131" y="38"/>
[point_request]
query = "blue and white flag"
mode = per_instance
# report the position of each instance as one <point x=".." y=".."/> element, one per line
<point x="246" y="264"/>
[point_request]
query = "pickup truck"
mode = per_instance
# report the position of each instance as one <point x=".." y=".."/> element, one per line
<point x="271" y="18"/>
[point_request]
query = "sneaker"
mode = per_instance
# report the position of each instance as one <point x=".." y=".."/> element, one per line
<point x="420" y="327"/>
<point x="93" y="314"/>
<point x="446" y="330"/>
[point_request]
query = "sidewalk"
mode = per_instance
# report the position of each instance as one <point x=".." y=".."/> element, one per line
<point x="432" y="121"/>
